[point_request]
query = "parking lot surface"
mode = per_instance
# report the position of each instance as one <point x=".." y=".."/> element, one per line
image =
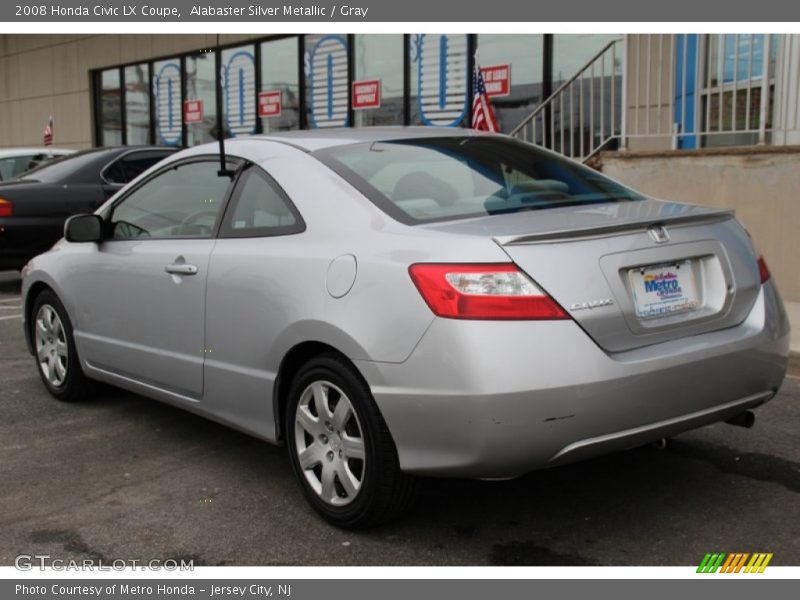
<point x="123" y="477"/>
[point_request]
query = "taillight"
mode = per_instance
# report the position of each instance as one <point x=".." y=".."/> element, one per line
<point x="763" y="269"/>
<point x="5" y="208"/>
<point x="483" y="291"/>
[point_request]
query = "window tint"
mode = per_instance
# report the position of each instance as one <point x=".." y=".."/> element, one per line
<point x="132" y="165"/>
<point x="259" y="208"/>
<point x="444" y="178"/>
<point x="184" y="201"/>
<point x="114" y="173"/>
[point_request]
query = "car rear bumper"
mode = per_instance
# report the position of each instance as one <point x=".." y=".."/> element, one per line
<point x="493" y="399"/>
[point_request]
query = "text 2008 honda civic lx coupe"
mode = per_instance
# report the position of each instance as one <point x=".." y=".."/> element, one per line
<point x="392" y="303"/>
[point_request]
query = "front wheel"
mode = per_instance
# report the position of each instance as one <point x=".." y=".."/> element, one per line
<point x="56" y="357"/>
<point x="340" y="447"/>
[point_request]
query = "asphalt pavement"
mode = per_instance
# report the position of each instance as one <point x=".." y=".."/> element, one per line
<point x="123" y="477"/>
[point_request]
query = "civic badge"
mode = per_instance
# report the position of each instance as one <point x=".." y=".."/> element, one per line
<point x="659" y="233"/>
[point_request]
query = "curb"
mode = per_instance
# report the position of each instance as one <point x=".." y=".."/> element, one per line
<point x="794" y="364"/>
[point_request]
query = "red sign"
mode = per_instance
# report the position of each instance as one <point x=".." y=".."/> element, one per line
<point x="366" y="94"/>
<point x="193" y="111"/>
<point x="497" y="80"/>
<point x="269" y="104"/>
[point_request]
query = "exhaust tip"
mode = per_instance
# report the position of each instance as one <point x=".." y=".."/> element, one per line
<point x="744" y="419"/>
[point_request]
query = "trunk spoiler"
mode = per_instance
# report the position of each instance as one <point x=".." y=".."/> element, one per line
<point x="603" y="230"/>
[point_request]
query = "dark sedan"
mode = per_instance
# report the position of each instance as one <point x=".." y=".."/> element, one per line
<point x="34" y="207"/>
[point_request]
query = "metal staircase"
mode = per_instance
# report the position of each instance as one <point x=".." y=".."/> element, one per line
<point x="584" y="115"/>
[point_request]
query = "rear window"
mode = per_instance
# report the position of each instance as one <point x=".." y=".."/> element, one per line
<point x="448" y="178"/>
<point x="63" y="168"/>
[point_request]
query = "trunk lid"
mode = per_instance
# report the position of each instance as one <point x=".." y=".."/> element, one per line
<point x="616" y="267"/>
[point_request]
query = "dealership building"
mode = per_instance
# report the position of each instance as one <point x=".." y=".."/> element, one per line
<point x="712" y="119"/>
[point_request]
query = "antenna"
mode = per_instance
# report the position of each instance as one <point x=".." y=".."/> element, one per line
<point x="224" y="171"/>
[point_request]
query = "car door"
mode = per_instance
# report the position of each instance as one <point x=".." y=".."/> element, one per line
<point x="142" y="295"/>
<point x="252" y="293"/>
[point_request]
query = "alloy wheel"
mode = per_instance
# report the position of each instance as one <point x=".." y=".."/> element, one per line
<point x="52" y="351"/>
<point x="329" y="443"/>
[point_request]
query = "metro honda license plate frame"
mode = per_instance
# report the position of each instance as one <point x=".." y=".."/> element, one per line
<point x="664" y="289"/>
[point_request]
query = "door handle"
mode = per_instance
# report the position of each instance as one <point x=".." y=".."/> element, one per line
<point x="181" y="269"/>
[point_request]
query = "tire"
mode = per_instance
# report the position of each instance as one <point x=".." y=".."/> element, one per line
<point x="348" y="491"/>
<point x="54" y="350"/>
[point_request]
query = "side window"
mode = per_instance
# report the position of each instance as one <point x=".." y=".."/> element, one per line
<point x="259" y="208"/>
<point x="132" y="165"/>
<point x="113" y="173"/>
<point x="184" y="201"/>
<point x="136" y="163"/>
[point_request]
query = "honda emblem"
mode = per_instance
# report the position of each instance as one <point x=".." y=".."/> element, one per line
<point x="658" y="233"/>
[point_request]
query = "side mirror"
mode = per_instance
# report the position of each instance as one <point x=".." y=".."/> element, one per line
<point x="84" y="228"/>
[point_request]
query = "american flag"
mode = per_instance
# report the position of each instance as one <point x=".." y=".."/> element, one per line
<point x="48" y="132"/>
<point x="482" y="113"/>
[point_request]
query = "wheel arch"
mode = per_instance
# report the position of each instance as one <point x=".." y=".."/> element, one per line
<point x="32" y="293"/>
<point x="291" y="363"/>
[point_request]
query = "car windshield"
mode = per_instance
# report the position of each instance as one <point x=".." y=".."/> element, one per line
<point x="61" y="168"/>
<point x="446" y="178"/>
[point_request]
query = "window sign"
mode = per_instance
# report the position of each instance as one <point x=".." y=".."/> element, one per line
<point x="239" y="85"/>
<point x="167" y="92"/>
<point x="193" y="111"/>
<point x="326" y="69"/>
<point x="269" y="104"/>
<point x="497" y="79"/>
<point x="366" y="94"/>
<point x="441" y="64"/>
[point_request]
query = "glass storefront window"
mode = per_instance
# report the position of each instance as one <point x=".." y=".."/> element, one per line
<point x="327" y="85"/>
<point x="279" y="73"/>
<point x="439" y="79"/>
<point x="261" y="83"/>
<point x="571" y="51"/>
<point x="168" y="102"/>
<point x="238" y="69"/>
<point x="111" y="108"/>
<point x="525" y="56"/>
<point x="200" y="85"/>
<point x="137" y="104"/>
<point x="380" y="56"/>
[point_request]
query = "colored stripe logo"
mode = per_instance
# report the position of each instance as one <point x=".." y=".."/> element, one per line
<point x="735" y="562"/>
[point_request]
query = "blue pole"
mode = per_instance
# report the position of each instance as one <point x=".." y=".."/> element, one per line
<point x="241" y="96"/>
<point x="442" y="71"/>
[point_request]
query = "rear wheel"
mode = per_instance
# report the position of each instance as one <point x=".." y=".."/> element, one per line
<point x="54" y="345"/>
<point x="340" y="447"/>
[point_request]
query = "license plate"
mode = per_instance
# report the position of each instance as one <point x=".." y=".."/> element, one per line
<point x="664" y="289"/>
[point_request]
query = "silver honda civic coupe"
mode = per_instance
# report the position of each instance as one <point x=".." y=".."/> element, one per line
<point x="402" y="302"/>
